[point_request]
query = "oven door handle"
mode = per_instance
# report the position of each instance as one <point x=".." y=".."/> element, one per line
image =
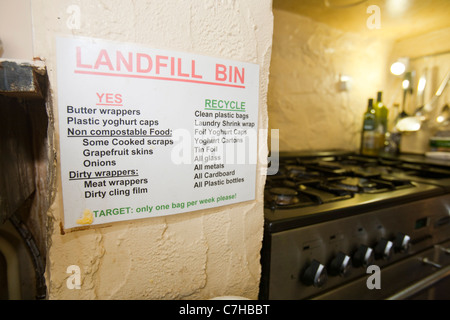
<point x="431" y="263"/>
<point x="421" y="285"/>
<point x="446" y="250"/>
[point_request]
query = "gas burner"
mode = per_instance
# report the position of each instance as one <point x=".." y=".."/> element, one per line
<point x="358" y="185"/>
<point x="283" y="196"/>
<point x="328" y="167"/>
<point x="372" y="171"/>
<point x="324" y="194"/>
<point x="302" y="174"/>
<point x="396" y="183"/>
<point x="369" y="184"/>
<point x="289" y="197"/>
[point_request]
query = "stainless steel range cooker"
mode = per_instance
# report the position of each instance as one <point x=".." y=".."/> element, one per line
<point x="344" y="226"/>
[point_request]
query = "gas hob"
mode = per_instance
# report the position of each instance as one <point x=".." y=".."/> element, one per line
<point x="310" y="188"/>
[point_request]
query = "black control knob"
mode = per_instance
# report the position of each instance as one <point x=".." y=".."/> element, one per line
<point x="315" y="274"/>
<point x="384" y="249"/>
<point x="402" y="243"/>
<point x="340" y="265"/>
<point x="363" y="257"/>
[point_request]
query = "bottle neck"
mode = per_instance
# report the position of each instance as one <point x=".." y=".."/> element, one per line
<point x="379" y="97"/>
<point x="370" y="105"/>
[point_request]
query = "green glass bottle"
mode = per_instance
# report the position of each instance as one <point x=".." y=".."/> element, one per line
<point x="381" y="113"/>
<point x="369" y="136"/>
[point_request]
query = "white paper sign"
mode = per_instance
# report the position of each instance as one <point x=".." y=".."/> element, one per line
<point x="148" y="132"/>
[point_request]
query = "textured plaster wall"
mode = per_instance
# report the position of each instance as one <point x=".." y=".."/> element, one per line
<point x="189" y="256"/>
<point x="304" y="101"/>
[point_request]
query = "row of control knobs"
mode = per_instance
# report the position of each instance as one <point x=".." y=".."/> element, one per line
<point x="316" y="273"/>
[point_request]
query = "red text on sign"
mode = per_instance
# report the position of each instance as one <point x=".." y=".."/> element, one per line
<point x="109" y="98"/>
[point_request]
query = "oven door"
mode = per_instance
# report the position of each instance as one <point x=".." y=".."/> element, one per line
<point x="434" y="286"/>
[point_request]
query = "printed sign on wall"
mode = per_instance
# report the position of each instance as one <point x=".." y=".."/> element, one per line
<point x="147" y="132"/>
